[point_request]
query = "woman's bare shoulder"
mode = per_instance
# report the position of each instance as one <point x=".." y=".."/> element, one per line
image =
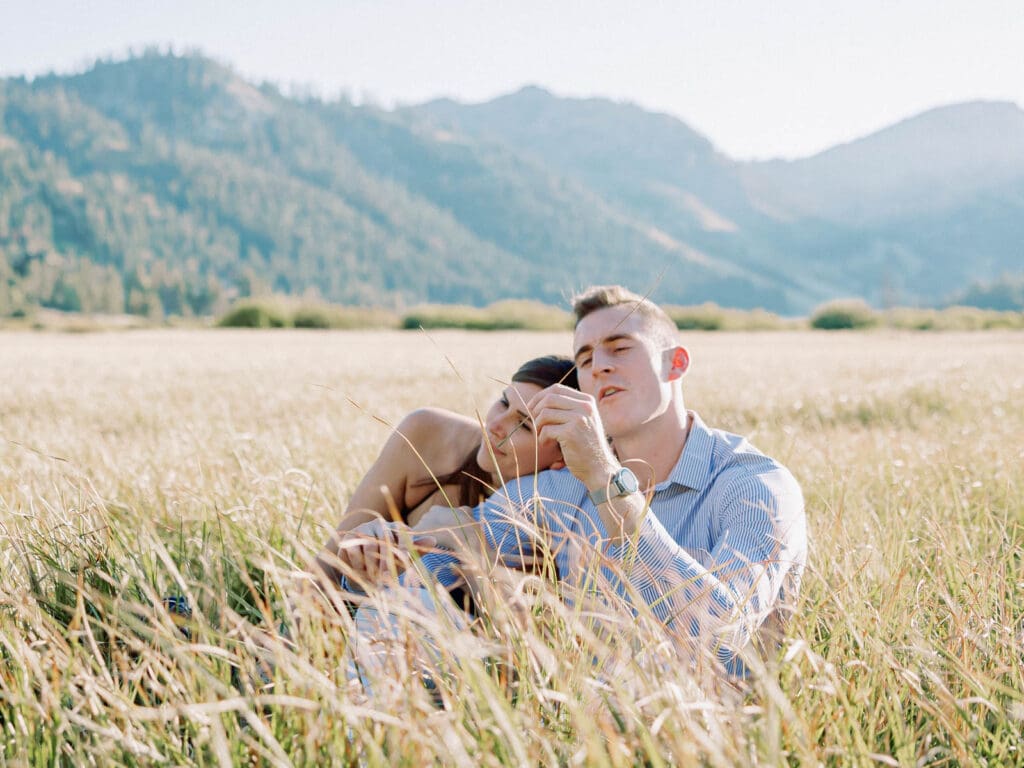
<point x="426" y="443"/>
<point x="430" y="422"/>
<point x="442" y="437"/>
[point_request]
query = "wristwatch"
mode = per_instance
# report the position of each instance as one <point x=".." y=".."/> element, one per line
<point x="623" y="483"/>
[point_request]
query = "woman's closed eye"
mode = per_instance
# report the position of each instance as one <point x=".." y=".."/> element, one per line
<point x="524" y="419"/>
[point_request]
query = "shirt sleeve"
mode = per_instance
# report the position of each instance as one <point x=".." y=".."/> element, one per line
<point x="508" y="520"/>
<point x="511" y="520"/>
<point x="759" y="544"/>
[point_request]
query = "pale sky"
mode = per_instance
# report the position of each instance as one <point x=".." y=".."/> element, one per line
<point x="775" y="78"/>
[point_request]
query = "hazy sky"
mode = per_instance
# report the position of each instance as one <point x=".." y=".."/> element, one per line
<point x="759" y="79"/>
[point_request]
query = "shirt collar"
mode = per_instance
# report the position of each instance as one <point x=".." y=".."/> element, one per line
<point x="693" y="468"/>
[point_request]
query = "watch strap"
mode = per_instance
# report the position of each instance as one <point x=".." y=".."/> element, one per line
<point x="622" y="483"/>
<point x="600" y="495"/>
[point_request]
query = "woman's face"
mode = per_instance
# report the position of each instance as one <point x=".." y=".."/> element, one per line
<point x="511" y="447"/>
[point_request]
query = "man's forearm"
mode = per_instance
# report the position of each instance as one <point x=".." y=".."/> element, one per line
<point x="721" y="605"/>
<point x="623" y="517"/>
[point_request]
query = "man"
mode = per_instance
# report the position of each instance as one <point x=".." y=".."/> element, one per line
<point x="706" y="530"/>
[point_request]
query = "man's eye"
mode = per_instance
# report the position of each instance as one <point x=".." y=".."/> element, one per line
<point x="623" y="348"/>
<point x="584" y="362"/>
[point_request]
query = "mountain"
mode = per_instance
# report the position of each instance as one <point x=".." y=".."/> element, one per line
<point x="188" y="184"/>
<point x="173" y="170"/>
<point x="623" y="152"/>
<point x="660" y="171"/>
<point x="921" y="209"/>
<point x="911" y="214"/>
<point x="168" y="184"/>
<point x="934" y="162"/>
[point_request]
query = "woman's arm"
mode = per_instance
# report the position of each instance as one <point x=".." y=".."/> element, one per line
<point x="456" y="531"/>
<point x="427" y="441"/>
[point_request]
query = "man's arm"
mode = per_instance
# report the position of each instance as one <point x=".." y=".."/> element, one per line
<point x="760" y="536"/>
<point x="760" y="544"/>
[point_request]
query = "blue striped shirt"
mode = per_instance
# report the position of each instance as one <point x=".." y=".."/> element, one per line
<point x="719" y="553"/>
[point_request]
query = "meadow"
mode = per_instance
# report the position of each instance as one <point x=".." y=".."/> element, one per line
<point x="208" y="463"/>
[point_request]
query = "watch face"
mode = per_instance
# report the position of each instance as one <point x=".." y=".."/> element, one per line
<point x="627" y="481"/>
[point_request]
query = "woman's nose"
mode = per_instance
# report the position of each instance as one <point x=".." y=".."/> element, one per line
<point x="496" y="426"/>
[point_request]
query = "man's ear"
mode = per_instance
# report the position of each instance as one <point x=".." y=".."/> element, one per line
<point x="679" y="363"/>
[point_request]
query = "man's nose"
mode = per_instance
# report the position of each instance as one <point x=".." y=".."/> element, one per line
<point x="602" y="362"/>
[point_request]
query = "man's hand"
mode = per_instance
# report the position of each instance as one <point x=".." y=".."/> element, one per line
<point x="569" y="416"/>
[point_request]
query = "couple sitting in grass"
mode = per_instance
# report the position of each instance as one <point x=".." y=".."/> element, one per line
<point x="604" y="479"/>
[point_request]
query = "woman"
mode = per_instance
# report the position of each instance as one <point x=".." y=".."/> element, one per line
<point x="436" y="457"/>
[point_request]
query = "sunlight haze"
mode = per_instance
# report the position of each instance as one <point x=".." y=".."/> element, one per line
<point x="760" y="80"/>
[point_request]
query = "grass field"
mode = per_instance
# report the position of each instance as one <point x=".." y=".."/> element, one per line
<point x="140" y="464"/>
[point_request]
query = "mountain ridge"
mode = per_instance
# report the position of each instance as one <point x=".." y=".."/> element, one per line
<point x="973" y="145"/>
<point x="172" y="181"/>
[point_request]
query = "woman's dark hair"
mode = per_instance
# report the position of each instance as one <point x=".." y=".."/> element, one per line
<point x="472" y="481"/>
<point x="547" y="370"/>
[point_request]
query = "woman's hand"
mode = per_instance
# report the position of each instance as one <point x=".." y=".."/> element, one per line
<point x="456" y="529"/>
<point x="369" y="553"/>
<point x="450" y="528"/>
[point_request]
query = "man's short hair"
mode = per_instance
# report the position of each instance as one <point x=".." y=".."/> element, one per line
<point x="604" y="296"/>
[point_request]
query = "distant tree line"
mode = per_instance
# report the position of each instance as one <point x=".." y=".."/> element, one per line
<point x="1005" y="294"/>
<point x="841" y="315"/>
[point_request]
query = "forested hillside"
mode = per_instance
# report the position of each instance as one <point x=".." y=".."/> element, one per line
<point x="914" y="214"/>
<point x="169" y="185"/>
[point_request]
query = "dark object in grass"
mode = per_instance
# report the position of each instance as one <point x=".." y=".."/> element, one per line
<point x="181" y="613"/>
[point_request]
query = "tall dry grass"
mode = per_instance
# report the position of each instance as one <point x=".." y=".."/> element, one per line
<point x="208" y="464"/>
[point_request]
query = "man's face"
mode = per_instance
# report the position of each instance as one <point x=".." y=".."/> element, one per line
<point x="621" y="364"/>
